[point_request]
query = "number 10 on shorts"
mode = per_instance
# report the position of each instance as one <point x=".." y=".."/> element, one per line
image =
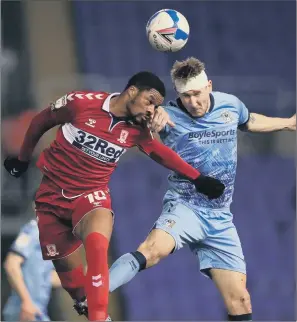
<point x="96" y="196"/>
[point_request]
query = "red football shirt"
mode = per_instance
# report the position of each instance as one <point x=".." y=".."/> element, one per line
<point x="88" y="147"/>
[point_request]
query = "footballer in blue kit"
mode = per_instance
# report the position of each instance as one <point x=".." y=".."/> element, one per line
<point x="204" y="134"/>
<point x="30" y="277"/>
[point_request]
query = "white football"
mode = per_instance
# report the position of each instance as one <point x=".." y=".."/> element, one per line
<point x="168" y="30"/>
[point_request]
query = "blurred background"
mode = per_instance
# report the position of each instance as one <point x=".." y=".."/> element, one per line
<point x="249" y="47"/>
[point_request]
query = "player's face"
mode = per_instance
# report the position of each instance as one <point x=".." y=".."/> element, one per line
<point x="142" y="105"/>
<point x="197" y="102"/>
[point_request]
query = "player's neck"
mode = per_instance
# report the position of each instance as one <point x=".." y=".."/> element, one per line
<point x="117" y="106"/>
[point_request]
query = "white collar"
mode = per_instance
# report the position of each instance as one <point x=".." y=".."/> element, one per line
<point x="106" y="103"/>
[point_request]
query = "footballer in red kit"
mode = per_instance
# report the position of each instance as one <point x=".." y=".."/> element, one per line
<point x="73" y="202"/>
<point x="96" y="135"/>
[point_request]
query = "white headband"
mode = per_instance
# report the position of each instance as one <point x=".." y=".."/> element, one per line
<point x="194" y="83"/>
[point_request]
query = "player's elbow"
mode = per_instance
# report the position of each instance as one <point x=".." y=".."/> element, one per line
<point x="43" y="121"/>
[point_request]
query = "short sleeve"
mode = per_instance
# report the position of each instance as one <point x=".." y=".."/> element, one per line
<point x="26" y="240"/>
<point x="243" y="112"/>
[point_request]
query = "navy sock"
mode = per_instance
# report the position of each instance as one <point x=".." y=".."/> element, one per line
<point x="241" y="317"/>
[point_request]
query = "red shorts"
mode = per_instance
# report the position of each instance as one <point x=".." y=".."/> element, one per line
<point x="58" y="213"/>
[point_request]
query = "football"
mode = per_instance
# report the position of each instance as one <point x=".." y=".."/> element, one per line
<point x="167" y="30"/>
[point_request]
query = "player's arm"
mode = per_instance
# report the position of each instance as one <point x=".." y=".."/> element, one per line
<point x="254" y="122"/>
<point x="12" y="266"/>
<point x="55" y="279"/>
<point x="21" y="249"/>
<point x="163" y="155"/>
<point x="59" y="112"/>
<point x="261" y="123"/>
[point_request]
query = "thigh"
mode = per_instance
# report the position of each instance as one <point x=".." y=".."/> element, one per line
<point x="68" y="263"/>
<point x="53" y="214"/>
<point x="99" y="220"/>
<point x="55" y="236"/>
<point x="180" y="222"/>
<point x="228" y="281"/>
<point x="93" y="212"/>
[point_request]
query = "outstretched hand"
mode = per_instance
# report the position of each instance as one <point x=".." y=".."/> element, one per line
<point x="159" y="120"/>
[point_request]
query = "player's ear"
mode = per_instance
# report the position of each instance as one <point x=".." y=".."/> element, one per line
<point x="209" y="85"/>
<point x="132" y="91"/>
